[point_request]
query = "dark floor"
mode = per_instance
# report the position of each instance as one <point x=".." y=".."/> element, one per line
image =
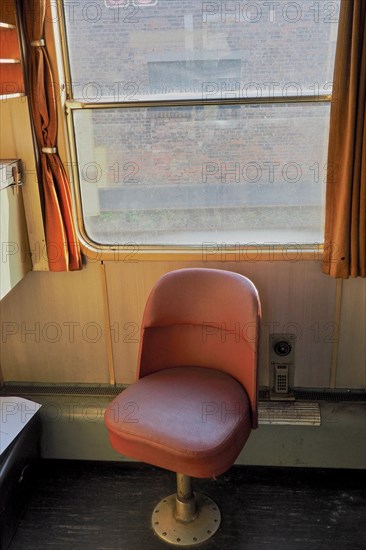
<point x="107" y="506"/>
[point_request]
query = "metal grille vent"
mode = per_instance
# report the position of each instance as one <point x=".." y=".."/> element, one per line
<point x="300" y="394"/>
<point x="296" y="412"/>
<point x="331" y="395"/>
<point x="263" y="395"/>
<point x="13" y="389"/>
<point x="321" y="395"/>
<point x="281" y="378"/>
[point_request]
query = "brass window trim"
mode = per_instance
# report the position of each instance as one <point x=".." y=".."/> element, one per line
<point x="72" y="104"/>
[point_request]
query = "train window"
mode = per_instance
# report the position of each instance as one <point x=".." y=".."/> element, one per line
<point x="193" y="122"/>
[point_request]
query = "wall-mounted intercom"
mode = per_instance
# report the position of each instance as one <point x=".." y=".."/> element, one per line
<point x="282" y="365"/>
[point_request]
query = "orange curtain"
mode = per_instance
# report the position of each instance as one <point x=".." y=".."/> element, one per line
<point x="345" y="222"/>
<point x="62" y="245"/>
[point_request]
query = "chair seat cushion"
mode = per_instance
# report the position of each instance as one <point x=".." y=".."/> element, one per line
<point x="190" y="420"/>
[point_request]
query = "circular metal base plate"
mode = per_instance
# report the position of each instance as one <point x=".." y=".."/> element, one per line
<point x="196" y="531"/>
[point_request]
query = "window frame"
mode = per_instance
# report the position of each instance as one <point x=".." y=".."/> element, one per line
<point x="132" y="252"/>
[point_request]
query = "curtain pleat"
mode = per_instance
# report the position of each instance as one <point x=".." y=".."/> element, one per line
<point x="345" y="221"/>
<point x="62" y="244"/>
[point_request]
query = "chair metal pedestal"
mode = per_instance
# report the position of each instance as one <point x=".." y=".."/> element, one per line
<point x="186" y="518"/>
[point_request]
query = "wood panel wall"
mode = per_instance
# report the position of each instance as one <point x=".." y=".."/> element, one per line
<point x="16" y="142"/>
<point x="351" y="371"/>
<point x="71" y="345"/>
<point x="53" y="329"/>
<point x="296" y="298"/>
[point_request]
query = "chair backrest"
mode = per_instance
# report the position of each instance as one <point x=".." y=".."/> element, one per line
<point x="203" y="317"/>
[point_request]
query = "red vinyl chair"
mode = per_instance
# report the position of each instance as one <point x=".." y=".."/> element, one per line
<point x="194" y="403"/>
